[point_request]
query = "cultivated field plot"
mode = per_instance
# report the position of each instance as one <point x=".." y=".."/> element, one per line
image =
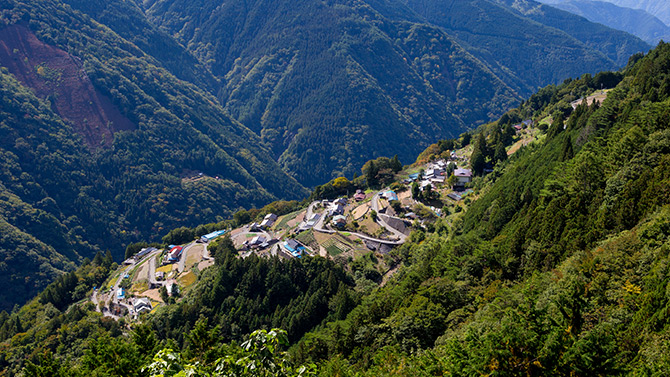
<point x="307" y="238"/>
<point x="194" y="256"/>
<point x="153" y="294"/>
<point x="335" y="246"/>
<point x="360" y="211"/>
<point x="186" y="280"/>
<point x="283" y="222"/>
<point x="165" y="269"/>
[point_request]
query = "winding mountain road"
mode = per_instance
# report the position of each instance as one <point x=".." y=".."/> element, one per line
<point x="319" y="226"/>
<point x="381" y="222"/>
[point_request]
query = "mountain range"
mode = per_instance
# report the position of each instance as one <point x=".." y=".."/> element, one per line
<point x="657" y="8"/>
<point x="102" y="144"/>
<point x="122" y="120"/>
<point x="632" y="20"/>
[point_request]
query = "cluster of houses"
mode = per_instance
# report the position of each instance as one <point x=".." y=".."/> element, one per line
<point x="529" y="122"/>
<point x="258" y="242"/>
<point x="436" y="174"/>
<point x="337" y="207"/>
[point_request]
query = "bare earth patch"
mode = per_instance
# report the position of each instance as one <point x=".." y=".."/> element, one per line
<point x="152" y="294"/>
<point x="204" y="264"/>
<point x="360" y="211"/>
<point x="297" y="220"/>
<point x="142" y="272"/>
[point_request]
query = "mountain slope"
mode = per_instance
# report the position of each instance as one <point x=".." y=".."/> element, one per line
<point x="527" y="43"/>
<point x="102" y="143"/>
<point x="635" y="21"/>
<point x="615" y="44"/>
<point x="128" y="20"/>
<point x="329" y="86"/>
<point x="556" y="264"/>
<point x="371" y="78"/>
<point x="657" y="8"/>
<point x="558" y="268"/>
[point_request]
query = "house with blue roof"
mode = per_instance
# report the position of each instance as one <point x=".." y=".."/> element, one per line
<point x="294" y="247"/>
<point x="390" y="195"/>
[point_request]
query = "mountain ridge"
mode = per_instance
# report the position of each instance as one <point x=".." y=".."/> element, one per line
<point x="635" y="21"/>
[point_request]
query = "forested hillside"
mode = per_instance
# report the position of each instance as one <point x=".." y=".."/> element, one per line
<point x="559" y="268"/>
<point x="556" y="267"/>
<point x="123" y="120"/>
<point x="329" y="86"/>
<point x="615" y="44"/>
<point x="658" y="8"/>
<point x="103" y="146"/>
<point x="527" y="44"/>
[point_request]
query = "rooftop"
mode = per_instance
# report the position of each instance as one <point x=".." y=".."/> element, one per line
<point x="463" y="172"/>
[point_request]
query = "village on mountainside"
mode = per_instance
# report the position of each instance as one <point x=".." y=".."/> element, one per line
<point x="344" y="229"/>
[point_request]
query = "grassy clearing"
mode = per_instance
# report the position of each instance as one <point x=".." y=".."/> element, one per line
<point x="111" y="281"/>
<point x="140" y="286"/>
<point x="369" y="227"/>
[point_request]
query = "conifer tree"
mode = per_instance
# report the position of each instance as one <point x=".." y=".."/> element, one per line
<point x="370" y="173"/>
<point x="566" y="151"/>
<point x="416" y="192"/>
<point x="478" y="157"/>
<point x="557" y="126"/>
<point x="395" y="164"/>
<point x="500" y="153"/>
